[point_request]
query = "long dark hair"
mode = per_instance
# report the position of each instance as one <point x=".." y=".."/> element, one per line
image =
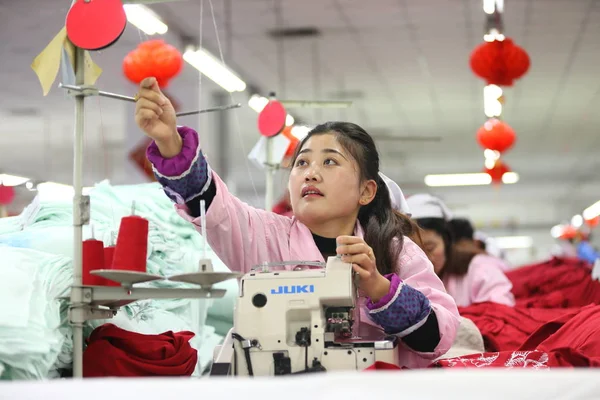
<point x="381" y="223"/>
<point x="461" y="228"/>
<point x="457" y="261"/>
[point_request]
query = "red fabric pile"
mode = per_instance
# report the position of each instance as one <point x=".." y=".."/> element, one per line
<point x="570" y="340"/>
<point x="112" y="351"/>
<point x="557" y="283"/>
<point x="506" y="328"/>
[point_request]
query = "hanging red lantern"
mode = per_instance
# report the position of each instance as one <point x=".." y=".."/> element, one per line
<point x="499" y="62"/>
<point x="7" y="195"/>
<point x="497" y="171"/>
<point x="496" y="135"/>
<point x="153" y="58"/>
<point x="593" y="222"/>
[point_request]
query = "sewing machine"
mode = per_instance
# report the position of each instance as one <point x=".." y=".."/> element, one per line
<point x="299" y="321"/>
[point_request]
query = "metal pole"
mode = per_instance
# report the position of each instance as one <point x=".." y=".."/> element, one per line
<point x="76" y="292"/>
<point x="101" y="93"/>
<point x="221" y="128"/>
<point x="269" y="190"/>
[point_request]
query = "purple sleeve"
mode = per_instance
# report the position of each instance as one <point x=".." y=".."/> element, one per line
<point x="185" y="176"/>
<point x="402" y="311"/>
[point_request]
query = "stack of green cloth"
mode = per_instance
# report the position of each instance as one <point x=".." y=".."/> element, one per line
<point x="36" y="252"/>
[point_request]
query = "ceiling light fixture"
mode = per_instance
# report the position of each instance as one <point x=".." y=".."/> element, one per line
<point x="471" y="179"/>
<point x="214" y="69"/>
<point x="145" y="19"/>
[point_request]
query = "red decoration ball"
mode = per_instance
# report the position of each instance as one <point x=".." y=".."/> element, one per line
<point x="499" y="62"/>
<point x="497" y="171"/>
<point x="496" y="135"/>
<point x="153" y="58"/>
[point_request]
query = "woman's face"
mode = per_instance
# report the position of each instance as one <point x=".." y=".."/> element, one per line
<point x="324" y="183"/>
<point x="434" y="247"/>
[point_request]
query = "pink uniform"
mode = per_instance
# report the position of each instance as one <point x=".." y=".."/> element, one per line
<point x="485" y="281"/>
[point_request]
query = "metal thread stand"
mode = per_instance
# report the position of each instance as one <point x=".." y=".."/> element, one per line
<point x="271" y="169"/>
<point x="102" y="302"/>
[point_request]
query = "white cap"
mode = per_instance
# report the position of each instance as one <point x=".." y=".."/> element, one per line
<point x="396" y="196"/>
<point x="424" y="205"/>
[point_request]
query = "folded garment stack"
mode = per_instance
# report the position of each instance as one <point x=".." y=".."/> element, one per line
<point x="36" y="252"/>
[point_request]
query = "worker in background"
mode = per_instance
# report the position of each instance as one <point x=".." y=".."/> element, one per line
<point x="465" y="239"/>
<point x="469" y="274"/>
<point x="585" y="250"/>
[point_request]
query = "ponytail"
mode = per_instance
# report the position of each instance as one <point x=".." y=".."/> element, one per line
<point x="384" y="229"/>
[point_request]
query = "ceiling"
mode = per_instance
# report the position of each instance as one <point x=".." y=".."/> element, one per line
<point x="403" y="63"/>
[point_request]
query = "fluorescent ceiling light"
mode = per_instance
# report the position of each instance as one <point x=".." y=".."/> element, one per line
<point x="492" y="106"/>
<point x="493" y="35"/>
<point x="592" y="211"/>
<point x="216" y="71"/>
<point x="12" y="180"/>
<point x="514" y="242"/>
<point x="145" y="19"/>
<point x="491" y="156"/>
<point x="489" y="6"/>
<point x="473" y="179"/>
<point x="510" y="177"/>
<point x="577" y="221"/>
<point x="257" y="102"/>
<point x="556" y="231"/>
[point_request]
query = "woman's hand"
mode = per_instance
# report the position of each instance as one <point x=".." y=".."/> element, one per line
<point x="155" y="115"/>
<point x="354" y="250"/>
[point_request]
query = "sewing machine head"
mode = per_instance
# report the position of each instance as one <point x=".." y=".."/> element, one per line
<point x="290" y="315"/>
<point x="290" y="297"/>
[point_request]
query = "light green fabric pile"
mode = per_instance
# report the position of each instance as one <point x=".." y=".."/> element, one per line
<point x="35" y="259"/>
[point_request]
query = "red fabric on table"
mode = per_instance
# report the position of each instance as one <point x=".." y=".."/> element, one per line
<point x="113" y="351"/>
<point x="502" y="359"/>
<point x="573" y="338"/>
<point x="506" y="328"/>
<point x="383" y="366"/>
<point x="557" y="283"/>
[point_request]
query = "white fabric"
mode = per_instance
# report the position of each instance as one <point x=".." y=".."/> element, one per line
<point x="468" y="340"/>
<point x="424" y="205"/>
<point x="396" y="196"/>
<point x="435" y="384"/>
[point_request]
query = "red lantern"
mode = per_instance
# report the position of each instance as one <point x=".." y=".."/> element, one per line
<point x="7" y="195"/>
<point x="593" y="222"/>
<point x="497" y="171"/>
<point x="496" y="135"/>
<point x="153" y="58"/>
<point x="499" y="62"/>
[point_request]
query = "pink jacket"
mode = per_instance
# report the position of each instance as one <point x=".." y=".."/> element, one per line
<point x="244" y="237"/>
<point x="485" y="281"/>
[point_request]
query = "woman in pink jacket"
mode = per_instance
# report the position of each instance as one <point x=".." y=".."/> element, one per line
<point x="341" y="206"/>
<point x="470" y="275"/>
